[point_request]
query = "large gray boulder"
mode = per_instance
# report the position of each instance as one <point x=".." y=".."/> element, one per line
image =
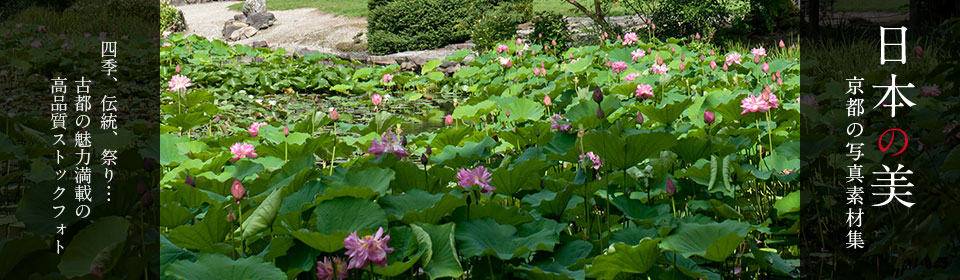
<point x="254" y="7"/>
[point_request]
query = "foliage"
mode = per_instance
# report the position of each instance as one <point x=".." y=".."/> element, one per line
<point x="684" y="17"/>
<point x="495" y="26"/>
<point x="170" y="18"/>
<point x="550" y="27"/>
<point x="541" y="208"/>
<point x="404" y="25"/>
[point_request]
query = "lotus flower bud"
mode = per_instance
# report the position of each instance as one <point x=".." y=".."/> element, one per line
<point x="334" y="115"/>
<point x="508" y="113"/>
<point x="671" y="187"/>
<point x="231" y="217"/>
<point x="765" y="67"/>
<point x="597" y="95"/>
<point x="708" y="117"/>
<point x="403" y="140"/>
<point x="286" y="131"/>
<point x="429" y="150"/>
<point x="237" y="190"/>
<point x="546" y="100"/>
<point x="600" y="113"/>
<point x="639" y="118"/>
<point x="782" y="45"/>
<point x="189" y="181"/>
<point x="423" y="159"/>
<point x="448" y="120"/>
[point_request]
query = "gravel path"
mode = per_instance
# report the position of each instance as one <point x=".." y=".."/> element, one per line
<point x="294" y="29"/>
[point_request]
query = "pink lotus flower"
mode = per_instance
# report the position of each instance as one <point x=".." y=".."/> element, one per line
<point x="644" y="91"/>
<point x="502" y="48"/>
<point x="363" y="251"/>
<point x="332" y="269"/>
<point x="629" y="38"/>
<point x="505" y="62"/>
<point x="758" y="53"/>
<point x="659" y="69"/>
<point x="630" y="77"/>
<point x="237" y="190"/>
<point x="448" y="120"/>
<point x="933" y="90"/>
<point x="713" y="65"/>
<point x="770" y="98"/>
<point x="242" y="150"/>
<point x="558" y="122"/>
<point x="765" y="68"/>
<point x="254" y="129"/>
<point x="376" y="99"/>
<point x="546" y="100"/>
<point x="637" y="54"/>
<point x="387" y="78"/>
<point x="594" y="160"/>
<point x="536" y="71"/>
<point x="387" y="144"/>
<point x="619" y="66"/>
<point x="179" y="82"/>
<point x="519" y="42"/>
<point x="334" y="115"/>
<point x="478" y="176"/>
<point x="752" y="104"/>
<point x="733" y="58"/>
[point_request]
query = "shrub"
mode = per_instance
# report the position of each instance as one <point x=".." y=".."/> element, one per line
<point x="495" y="26"/>
<point x="404" y="25"/>
<point x="550" y="26"/>
<point x="170" y="18"/>
<point x="681" y="18"/>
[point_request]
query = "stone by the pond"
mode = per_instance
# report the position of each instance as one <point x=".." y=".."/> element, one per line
<point x="230" y="27"/>
<point x="254" y="7"/>
<point x="261" y="20"/>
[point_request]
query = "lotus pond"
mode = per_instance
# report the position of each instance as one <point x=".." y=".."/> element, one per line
<point x="631" y="159"/>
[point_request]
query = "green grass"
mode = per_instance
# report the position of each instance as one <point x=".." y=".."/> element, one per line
<point x="358" y="8"/>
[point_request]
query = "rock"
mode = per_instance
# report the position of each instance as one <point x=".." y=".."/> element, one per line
<point x="254" y="7"/>
<point x="407" y="65"/>
<point x="239" y="17"/>
<point x="249" y="31"/>
<point x="261" y="20"/>
<point x="260" y="44"/>
<point x="384" y="60"/>
<point x="448" y="64"/>
<point x="230" y="27"/>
